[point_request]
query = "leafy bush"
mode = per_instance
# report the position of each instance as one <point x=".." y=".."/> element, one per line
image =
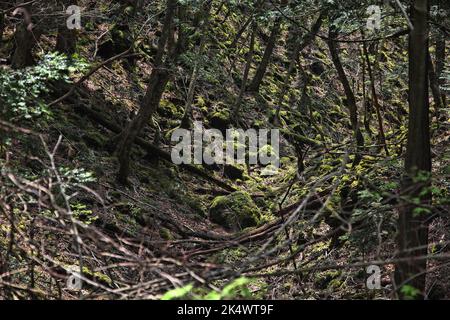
<point x="22" y="90"/>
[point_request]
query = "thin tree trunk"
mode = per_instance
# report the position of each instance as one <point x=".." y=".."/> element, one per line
<point x="350" y="97"/>
<point x="366" y="106"/>
<point x="66" y="40"/>
<point x="2" y="26"/>
<point x="159" y="78"/>
<point x="412" y="225"/>
<point x="25" y="39"/>
<point x="435" y="90"/>
<point x="261" y="71"/>
<point x="440" y="63"/>
<point x="299" y="46"/>
<point x="244" y="27"/>
<point x="381" y="134"/>
<point x="248" y="64"/>
<point x="186" y="122"/>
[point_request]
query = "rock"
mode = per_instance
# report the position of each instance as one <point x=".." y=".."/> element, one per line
<point x="235" y="212"/>
<point x="220" y="120"/>
<point x="232" y="172"/>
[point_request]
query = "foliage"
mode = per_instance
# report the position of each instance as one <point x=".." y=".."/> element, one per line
<point x="22" y="91"/>
<point x="238" y="288"/>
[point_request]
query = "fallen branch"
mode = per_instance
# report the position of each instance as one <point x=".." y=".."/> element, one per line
<point x="90" y="73"/>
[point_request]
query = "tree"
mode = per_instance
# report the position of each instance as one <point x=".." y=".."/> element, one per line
<point x="25" y="38"/>
<point x="268" y="52"/>
<point x="299" y="45"/>
<point x="350" y="96"/>
<point x="262" y="68"/>
<point x="186" y="121"/>
<point x="412" y="238"/>
<point x="159" y="78"/>
<point x="66" y="40"/>
<point x="248" y="64"/>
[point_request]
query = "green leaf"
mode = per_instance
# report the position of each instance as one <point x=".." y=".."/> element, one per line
<point x="178" y="292"/>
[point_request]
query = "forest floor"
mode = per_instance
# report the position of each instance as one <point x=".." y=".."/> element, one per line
<point x="163" y="214"/>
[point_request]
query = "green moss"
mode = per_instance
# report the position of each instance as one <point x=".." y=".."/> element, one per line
<point x="166" y="234"/>
<point x="236" y="211"/>
<point x="220" y="119"/>
<point x="169" y="110"/>
<point x="328" y="279"/>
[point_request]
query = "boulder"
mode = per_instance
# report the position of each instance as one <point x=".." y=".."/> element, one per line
<point x="235" y="211"/>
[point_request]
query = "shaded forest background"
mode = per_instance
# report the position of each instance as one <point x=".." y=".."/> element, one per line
<point x="92" y="207"/>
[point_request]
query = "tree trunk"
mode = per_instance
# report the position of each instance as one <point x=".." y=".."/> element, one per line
<point x="237" y="106"/>
<point x="158" y="81"/>
<point x="2" y="26"/>
<point x="261" y="71"/>
<point x="186" y="122"/>
<point x="435" y="90"/>
<point x="24" y="42"/>
<point x="444" y="6"/>
<point x="350" y="97"/>
<point x="66" y="40"/>
<point x="299" y="46"/>
<point x="159" y="78"/>
<point x="249" y="20"/>
<point x="25" y="39"/>
<point x="412" y="238"/>
<point x="376" y="104"/>
<point x="440" y="63"/>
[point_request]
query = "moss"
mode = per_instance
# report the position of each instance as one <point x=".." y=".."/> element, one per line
<point x="447" y="170"/>
<point x="229" y="256"/>
<point x="236" y="211"/>
<point x="90" y="274"/>
<point x="220" y="119"/>
<point x="327" y="278"/>
<point x="169" y="110"/>
<point x="166" y="234"/>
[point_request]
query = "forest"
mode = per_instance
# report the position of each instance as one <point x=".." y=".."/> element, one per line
<point x="224" y="150"/>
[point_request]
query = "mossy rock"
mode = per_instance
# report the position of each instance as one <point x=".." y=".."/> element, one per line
<point x="236" y="211"/>
<point x="220" y="120"/>
<point x="233" y="172"/>
<point x="169" y="110"/>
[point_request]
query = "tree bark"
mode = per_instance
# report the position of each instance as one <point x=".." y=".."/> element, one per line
<point x="248" y="64"/>
<point x="435" y="90"/>
<point x="159" y="78"/>
<point x="66" y="40"/>
<point x="25" y="39"/>
<point x="350" y="96"/>
<point x="298" y="48"/>
<point x="440" y="64"/>
<point x="412" y="238"/>
<point x="261" y="71"/>
<point x="376" y="104"/>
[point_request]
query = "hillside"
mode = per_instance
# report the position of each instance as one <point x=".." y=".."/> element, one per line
<point x="93" y="206"/>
